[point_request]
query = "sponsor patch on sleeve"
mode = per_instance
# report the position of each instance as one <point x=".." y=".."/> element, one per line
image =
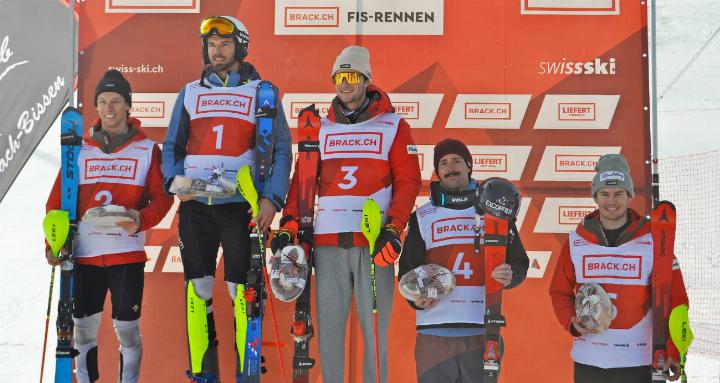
<point x="675" y="264"/>
<point x="412" y="149"/>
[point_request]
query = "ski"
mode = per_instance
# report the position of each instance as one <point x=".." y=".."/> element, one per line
<point x="265" y="113"/>
<point x="254" y="310"/>
<point x="662" y="228"/>
<point x="254" y="294"/>
<point x="497" y="202"/>
<point x="71" y="130"/>
<point x="307" y="168"/>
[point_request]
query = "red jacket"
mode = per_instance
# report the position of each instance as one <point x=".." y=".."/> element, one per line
<point x="406" y="180"/>
<point x="152" y="205"/>
<point x="563" y="285"/>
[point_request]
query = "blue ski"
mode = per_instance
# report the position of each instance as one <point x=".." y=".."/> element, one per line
<point x="254" y="296"/>
<point x="71" y="130"/>
<point x="265" y="113"/>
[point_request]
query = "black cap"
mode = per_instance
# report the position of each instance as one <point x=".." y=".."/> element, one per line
<point x="448" y="146"/>
<point x="113" y="81"/>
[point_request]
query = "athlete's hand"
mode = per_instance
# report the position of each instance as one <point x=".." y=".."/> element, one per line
<point x="388" y="247"/>
<point x="671" y="366"/>
<point x="133" y="226"/>
<point x="425" y="303"/>
<point x="266" y="214"/>
<point x="579" y="328"/>
<point x="53" y="260"/>
<point x="502" y="274"/>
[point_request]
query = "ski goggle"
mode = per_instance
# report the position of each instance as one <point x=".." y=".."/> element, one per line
<point x="352" y="78"/>
<point x="219" y="26"/>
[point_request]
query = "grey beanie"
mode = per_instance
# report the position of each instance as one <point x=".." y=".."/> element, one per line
<point x="353" y="58"/>
<point x="612" y="171"/>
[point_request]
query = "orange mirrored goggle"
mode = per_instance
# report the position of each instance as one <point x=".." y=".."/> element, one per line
<point x="352" y="78"/>
<point x="217" y="25"/>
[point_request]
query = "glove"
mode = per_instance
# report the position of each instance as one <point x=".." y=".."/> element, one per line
<point x="388" y="246"/>
<point x="288" y="230"/>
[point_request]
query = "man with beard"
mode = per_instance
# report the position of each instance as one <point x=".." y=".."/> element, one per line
<point x="450" y="340"/>
<point x="212" y="131"/>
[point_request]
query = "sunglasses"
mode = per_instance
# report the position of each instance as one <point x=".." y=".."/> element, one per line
<point x="352" y="78"/>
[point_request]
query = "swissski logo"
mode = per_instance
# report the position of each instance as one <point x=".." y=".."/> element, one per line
<point x="597" y="66"/>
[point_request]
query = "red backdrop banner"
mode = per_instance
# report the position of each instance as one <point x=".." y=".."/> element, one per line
<point x="538" y="89"/>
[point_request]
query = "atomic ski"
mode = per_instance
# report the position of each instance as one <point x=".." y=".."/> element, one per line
<point x="71" y="130"/>
<point x="662" y="227"/>
<point x="307" y="168"/>
<point x="265" y="113"/>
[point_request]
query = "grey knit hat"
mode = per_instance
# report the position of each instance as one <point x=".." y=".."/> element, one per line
<point x="353" y="58"/>
<point x="612" y="171"/>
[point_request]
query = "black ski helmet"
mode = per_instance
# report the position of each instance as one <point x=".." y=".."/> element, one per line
<point x="239" y="31"/>
<point x="498" y="197"/>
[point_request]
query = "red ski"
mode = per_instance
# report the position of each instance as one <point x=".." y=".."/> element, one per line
<point x="498" y="201"/>
<point x="307" y="169"/>
<point x="662" y="227"/>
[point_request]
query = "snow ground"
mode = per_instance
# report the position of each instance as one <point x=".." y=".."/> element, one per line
<point x="688" y="115"/>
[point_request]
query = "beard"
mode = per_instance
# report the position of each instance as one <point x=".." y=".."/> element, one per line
<point x="223" y="67"/>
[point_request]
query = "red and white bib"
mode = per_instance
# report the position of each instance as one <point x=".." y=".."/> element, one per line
<point x="624" y="272"/>
<point x="449" y="239"/>
<point x="355" y="165"/>
<point x="111" y="179"/>
<point x="222" y="128"/>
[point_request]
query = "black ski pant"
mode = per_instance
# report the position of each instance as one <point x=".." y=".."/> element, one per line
<point x="202" y="228"/>
<point x="125" y="283"/>
<point x="591" y="374"/>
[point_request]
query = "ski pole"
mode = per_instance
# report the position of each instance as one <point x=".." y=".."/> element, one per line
<point x="47" y="322"/>
<point x="56" y="226"/>
<point x="370" y="227"/>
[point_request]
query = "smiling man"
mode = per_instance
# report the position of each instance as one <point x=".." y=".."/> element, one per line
<point x="366" y="151"/>
<point x="213" y="129"/>
<point x="606" y="246"/>
<point x="450" y="341"/>
<point x="113" y="258"/>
